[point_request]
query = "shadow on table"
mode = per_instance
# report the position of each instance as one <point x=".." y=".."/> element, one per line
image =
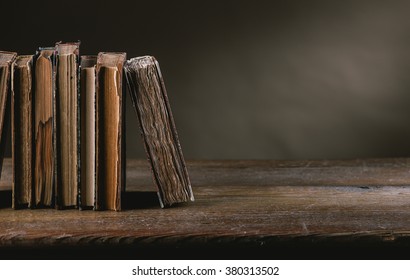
<point x="5" y="199"/>
<point x="139" y="200"/>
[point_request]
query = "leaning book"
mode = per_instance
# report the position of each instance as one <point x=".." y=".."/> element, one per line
<point x="158" y="130"/>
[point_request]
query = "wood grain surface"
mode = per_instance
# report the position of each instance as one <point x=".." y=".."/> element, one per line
<point x="243" y="209"/>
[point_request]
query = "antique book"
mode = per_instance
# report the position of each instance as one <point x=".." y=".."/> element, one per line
<point x="67" y="117"/>
<point x="6" y="61"/>
<point x="22" y="112"/>
<point x="110" y="140"/>
<point x="87" y="131"/>
<point x="44" y="127"/>
<point x="158" y="131"/>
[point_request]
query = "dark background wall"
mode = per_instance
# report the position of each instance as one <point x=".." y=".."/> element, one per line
<point x="251" y="79"/>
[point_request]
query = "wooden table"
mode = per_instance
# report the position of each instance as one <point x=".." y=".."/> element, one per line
<point x="325" y="209"/>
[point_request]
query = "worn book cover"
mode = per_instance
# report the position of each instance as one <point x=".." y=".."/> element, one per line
<point x="67" y="118"/>
<point x="6" y="60"/>
<point x="44" y="127"/>
<point x="87" y="131"/>
<point x="110" y="140"/>
<point x="158" y="130"/>
<point x="22" y="113"/>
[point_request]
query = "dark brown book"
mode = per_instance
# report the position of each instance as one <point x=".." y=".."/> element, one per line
<point x="22" y="132"/>
<point x="158" y="131"/>
<point x="88" y="106"/>
<point x="44" y="127"/>
<point x="110" y="144"/>
<point x="67" y="117"/>
<point x="6" y="60"/>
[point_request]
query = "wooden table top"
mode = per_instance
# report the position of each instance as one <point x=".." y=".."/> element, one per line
<point x="242" y="209"/>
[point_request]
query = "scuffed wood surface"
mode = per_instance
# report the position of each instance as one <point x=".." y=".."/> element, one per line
<point x="250" y="204"/>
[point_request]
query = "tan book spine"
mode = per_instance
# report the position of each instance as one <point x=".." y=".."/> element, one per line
<point x="6" y="60"/>
<point x="87" y="97"/>
<point x="67" y="125"/>
<point x="22" y="132"/>
<point x="109" y="131"/>
<point x="44" y="128"/>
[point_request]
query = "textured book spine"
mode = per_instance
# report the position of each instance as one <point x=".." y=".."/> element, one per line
<point x="44" y="127"/>
<point x="158" y="130"/>
<point x="109" y="131"/>
<point x="6" y="61"/>
<point x="22" y="132"/>
<point x="88" y="111"/>
<point x="67" y="125"/>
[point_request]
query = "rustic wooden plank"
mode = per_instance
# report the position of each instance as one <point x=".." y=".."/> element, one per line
<point x="247" y="204"/>
<point x="389" y="171"/>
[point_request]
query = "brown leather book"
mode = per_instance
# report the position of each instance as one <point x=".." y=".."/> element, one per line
<point x="44" y="127"/>
<point x="67" y="119"/>
<point x="110" y="144"/>
<point x="88" y="106"/>
<point x="22" y="113"/>
<point x="158" y="130"/>
<point x="6" y="60"/>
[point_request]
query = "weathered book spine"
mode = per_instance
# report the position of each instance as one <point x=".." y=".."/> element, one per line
<point x="4" y="112"/>
<point x="22" y="132"/>
<point x="88" y="111"/>
<point x="158" y="130"/>
<point x="44" y="128"/>
<point x="109" y="131"/>
<point x="67" y="120"/>
<point x="6" y="61"/>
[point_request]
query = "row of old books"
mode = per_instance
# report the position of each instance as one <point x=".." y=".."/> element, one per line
<point x="68" y="127"/>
